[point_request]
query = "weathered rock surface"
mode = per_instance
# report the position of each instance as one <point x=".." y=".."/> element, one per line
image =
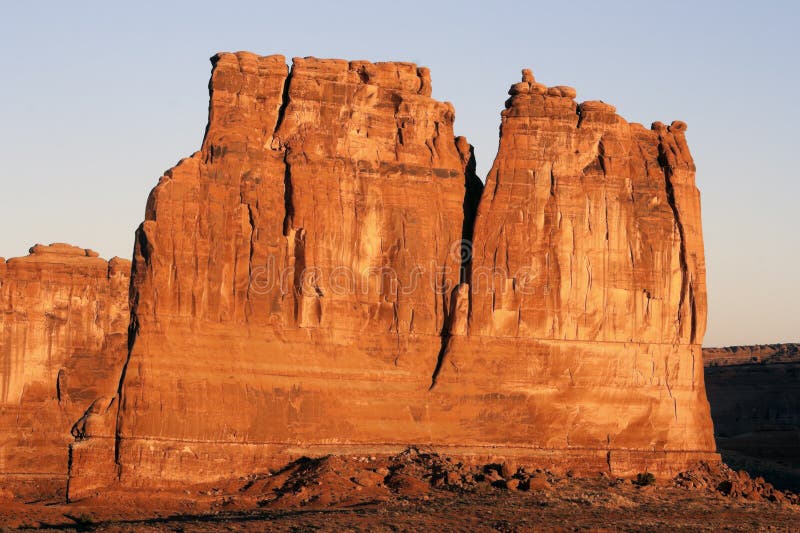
<point x="587" y="288"/>
<point x="299" y="285"/>
<point x="283" y="277"/>
<point x="754" y="393"/>
<point x="63" y="328"/>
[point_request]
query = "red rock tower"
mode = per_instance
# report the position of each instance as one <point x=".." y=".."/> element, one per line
<point x="588" y="297"/>
<point x="63" y="341"/>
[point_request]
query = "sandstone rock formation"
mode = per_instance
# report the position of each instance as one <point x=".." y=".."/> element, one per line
<point x="63" y="340"/>
<point x="292" y="279"/>
<point x="301" y="285"/>
<point x="754" y="393"/>
<point x="587" y="288"/>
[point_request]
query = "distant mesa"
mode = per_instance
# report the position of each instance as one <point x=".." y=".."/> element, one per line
<point x="755" y="404"/>
<point x="755" y="354"/>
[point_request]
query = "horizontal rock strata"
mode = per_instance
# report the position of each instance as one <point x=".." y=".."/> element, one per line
<point x="63" y="340"/>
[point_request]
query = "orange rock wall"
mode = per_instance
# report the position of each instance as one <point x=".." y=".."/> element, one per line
<point x="292" y="279"/>
<point x="300" y="285"/>
<point x="587" y="286"/>
<point x="63" y="341"/>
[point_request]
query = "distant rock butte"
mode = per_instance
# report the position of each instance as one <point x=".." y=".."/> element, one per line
<point x="755" y="405"/>
<point x="766" y="354"/>
<point x="304" y="285"/>
<point x="63" y="328"/>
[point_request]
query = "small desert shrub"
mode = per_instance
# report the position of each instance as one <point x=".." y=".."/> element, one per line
<point x="645" y="478"/>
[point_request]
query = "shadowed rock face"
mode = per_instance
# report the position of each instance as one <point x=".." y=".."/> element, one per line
<point x="63" y="328"/>
<point x="754" y="393"/>
<point x="301" y="285"/>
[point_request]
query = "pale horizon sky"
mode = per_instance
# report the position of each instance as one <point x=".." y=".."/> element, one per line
<point x="97" y="100"/>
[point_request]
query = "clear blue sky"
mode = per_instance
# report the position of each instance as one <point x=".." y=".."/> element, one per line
<point x="97" y="100"/>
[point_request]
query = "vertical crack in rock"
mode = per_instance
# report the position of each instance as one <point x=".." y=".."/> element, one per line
<point x="142" y="249"/>
<point x="295" y="235"/>
<point x="284" y="101"/>
<point x="70" y="459"/>
<point x="288" y="209"/>
<point x="668" y="171"/>
<point x="473" y="190"/>
<point x="132" y="332"/>
<point x="282" y="145"/>
<point x="440" y="359"/>
<point x="693" y="317"/>
<point x="669" y="388"/>
<point x="60" y="378"/>
<point x="444" y="335"/>
<point x="253" y="232"/>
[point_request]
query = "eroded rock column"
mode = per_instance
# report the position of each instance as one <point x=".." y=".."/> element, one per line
<point x="63" y="341"/>
<point x="587" y="290"/>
